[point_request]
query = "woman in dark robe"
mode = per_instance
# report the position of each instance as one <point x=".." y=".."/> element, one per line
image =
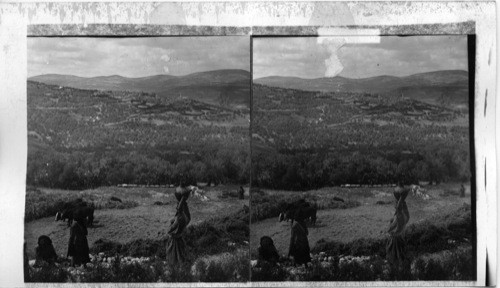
<point x="396" y="245"/>
<point x="176" y="247"/>
<point x="78" y="247"/>
<point x="45" y="251"/>
<point x="299" y="244"/>
<point x="267" y="251"/>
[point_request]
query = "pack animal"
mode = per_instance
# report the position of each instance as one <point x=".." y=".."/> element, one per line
<point x="286" y="214"/>
<point x="292" y="208"/>
<point x="78" y="206"/>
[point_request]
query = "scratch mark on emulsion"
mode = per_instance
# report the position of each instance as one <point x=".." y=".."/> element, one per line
<point x="485" y="101"/>
<point x="485" y="174"/>
<point x="489" y="58"/>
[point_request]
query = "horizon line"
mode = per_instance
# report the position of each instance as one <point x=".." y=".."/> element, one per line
<point x="381" y="75"/>
<point x="153" y="75"/>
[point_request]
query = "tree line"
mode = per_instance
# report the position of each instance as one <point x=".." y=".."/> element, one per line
<point x="78" y="170"/>
<point x="313" y="170"/>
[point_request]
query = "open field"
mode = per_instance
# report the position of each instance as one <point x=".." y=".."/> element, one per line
<point x="369" y="220"/>
<point x="145" y="221"/>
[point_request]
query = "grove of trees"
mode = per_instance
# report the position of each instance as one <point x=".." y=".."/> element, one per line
<point x="312" y="170"/>
<point x="84" y="169"/>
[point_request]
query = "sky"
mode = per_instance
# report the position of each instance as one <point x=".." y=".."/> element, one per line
<point x="354" y="57"/>
<point x="136" y="57"/>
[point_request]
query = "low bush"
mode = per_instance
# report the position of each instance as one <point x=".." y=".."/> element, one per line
<point x="134" y="272"/>
<point x="40" y="204"/>
<point x="50" y="274"/>
<point x="98" y="274"/>
<point x="222" y="267"/>
<point x="455" y="264"/>
<point x="269" y="272"/>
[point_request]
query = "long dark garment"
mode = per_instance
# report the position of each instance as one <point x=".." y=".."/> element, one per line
<point x="176" y="247"/>
<point x="395" y="248"/>
<point x="267" y="251"/>
<point x="45" y="251"/>
<point x="299" y="244"/>
<point x="78" y="246"/>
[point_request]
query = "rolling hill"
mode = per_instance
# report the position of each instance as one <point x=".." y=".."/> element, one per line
<point x="447" y="88"/>
<point x="228" y="88"/>
<point x="76" y="118"/>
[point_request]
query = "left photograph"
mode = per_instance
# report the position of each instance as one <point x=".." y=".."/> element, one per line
<point x="138" y="159"/>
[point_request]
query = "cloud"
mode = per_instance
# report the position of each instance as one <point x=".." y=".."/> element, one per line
<point x="290" y="56"/>
<point x="136" y="57"/>
<point x="402" y="56"/>
<point x="333" y="64"/>
<point x="314" y="57"/>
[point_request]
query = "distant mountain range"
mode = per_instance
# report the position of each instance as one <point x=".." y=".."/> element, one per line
<point x="443" y="88"/>
<point x="229" y="88"/>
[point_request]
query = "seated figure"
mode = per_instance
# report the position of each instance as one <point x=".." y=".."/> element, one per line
<point x="267" y="250"/>
<point x="45" y="252"/>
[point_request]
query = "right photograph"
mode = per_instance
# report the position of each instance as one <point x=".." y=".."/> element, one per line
<point x="361" y="159"/>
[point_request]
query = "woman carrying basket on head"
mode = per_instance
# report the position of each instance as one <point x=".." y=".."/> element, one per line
<point x="396" y="244"/>
<point x="176" y="247"/>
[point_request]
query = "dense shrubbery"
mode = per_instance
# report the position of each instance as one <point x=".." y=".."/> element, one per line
<point x="224" y="267"/>
<point x="48" y="274"/>
<point x="453" y="264"/>
<point x="266" y="206"/>
<point x="153" y="270"/>
<point x="84" y="169"/>
<point x="312" y="170"/>
<point x="40" y="204"/>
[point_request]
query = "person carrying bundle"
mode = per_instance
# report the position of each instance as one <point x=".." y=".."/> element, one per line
<point x="176" y="247"/>
<point x="395" y="249"/>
